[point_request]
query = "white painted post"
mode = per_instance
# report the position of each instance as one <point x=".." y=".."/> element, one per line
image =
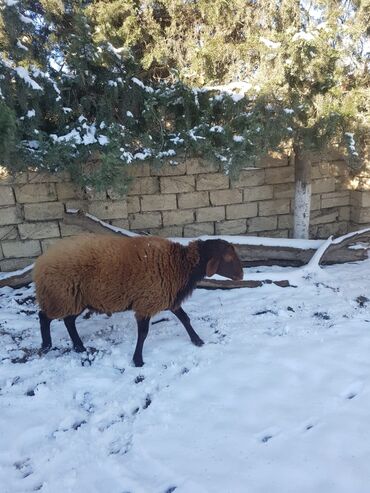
<point x="302" y="197"/>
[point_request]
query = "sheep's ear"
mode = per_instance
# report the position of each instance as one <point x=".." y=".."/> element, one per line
<point x="212" y="266"/>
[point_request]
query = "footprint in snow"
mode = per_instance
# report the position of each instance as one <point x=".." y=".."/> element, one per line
<point x="24" y="467"/>
<point x="362" y="301"/>
<point x="120" y="446"/>
<point x="266" y="438"/>
<point x="352" y="391"/>
<point x="31" y="392"/>
<point x="264" y="312"/>
<point x="309" y="424"/>
<point x="28" y="300"/>
<point x="322" y="315"/>
<point x="268" y="434"/>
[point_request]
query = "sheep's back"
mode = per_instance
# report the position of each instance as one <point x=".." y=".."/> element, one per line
<point x="108" y="274"/>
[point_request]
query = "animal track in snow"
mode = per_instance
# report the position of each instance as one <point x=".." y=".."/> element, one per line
<point x="362" y="301"/>
<point x="24" y="467"/>
<point x="322" y="315"/>
<point x="266" y="438"/>
<point x="268" y="434"/>
<point x="353" y="390"/>
<point x="264" y="312"/>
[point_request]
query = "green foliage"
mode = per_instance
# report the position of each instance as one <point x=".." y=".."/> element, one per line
<point x="93" y="86"/>
<point x="7" y="130"/>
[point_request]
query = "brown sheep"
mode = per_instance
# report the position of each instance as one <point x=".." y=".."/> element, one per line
<point x="110" y="274"/>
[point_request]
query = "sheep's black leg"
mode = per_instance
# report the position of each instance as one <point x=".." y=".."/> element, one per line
<point x="185" y="320"/>
<point x="45" y="332"/>
<point x="142" y="332"/>
<point x="70" y="323"/>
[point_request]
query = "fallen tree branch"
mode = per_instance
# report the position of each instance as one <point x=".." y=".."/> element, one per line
<point x="220" y="284"/>
<point x="76" y="217"/>
<point x="250" y="254"/>
<point x="17" y="279"/>
<point x="254" y="255"/>
<point x="329" y="252"/>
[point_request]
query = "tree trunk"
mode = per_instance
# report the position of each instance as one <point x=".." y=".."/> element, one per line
<point x="302" y="197"/>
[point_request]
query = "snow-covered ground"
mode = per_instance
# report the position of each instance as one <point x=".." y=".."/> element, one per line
<point x="276" y="401"/>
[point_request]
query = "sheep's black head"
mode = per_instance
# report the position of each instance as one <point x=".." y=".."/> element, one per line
<point x="222" y="259"/>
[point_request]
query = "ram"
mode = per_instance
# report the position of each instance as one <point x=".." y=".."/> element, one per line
<point x="108" y="274"/>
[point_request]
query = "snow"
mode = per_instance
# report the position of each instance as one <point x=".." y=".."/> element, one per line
<point x="351" y="143"/>
<point x="21" y="45"/>
<point x="222" y="158"/>
<point x="351" y="235"/>
<point x="10" y="3"/>
<point x="23" y="74"/>
<point x="31" y="113"/>
<point x="193" y="135"/>
<point x="126" y="156"/>
<point x="116" y="51"/>
<point x="259" y="240"/>
<point x="288" y="111"/>
<point x="238" y="138"/>
<point x="303" y="36"/>
<point x="6" y="275"/>
<point x="103" y="140"/>
<point x="237" y="97"/>
<point x="141" y="156"/>
<point x="176" y="140"/>
<point x="89" y="137"/>
<point x="277" y="400"/>
<point x="142" y="85"/>
<point x="270" y="44"/>
<point x="72" y="135"/>
<point x="25" y="20"/>
<point x="86" y="138"/>
<point x="33" y="144"/>
<point x="232" y="88"/>
<point x="168" y="153"/>
<point x="217" y="128"/>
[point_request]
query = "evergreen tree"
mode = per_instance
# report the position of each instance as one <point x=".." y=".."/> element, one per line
<point x="305" y="60"/>
<point x="74" y="101"/>
<point x="93" y="86"/>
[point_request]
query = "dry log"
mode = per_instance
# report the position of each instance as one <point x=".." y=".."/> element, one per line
<point x="338" y="251"/>
<point x="254" y="255"/>
<point x="17" y="280"/>
<point x="250" y="255"/>
<point x="221" y="284"/>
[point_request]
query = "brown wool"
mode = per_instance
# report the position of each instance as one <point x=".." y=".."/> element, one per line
<point x="111" y="274"/>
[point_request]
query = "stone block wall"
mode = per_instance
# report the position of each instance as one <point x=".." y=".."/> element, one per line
<point x="190" y="199"/>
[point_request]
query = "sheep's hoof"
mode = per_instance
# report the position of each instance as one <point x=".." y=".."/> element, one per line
<point x="197" y="342"/>
<point x="79" y="349"/>
<point x="139" y="363"/>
